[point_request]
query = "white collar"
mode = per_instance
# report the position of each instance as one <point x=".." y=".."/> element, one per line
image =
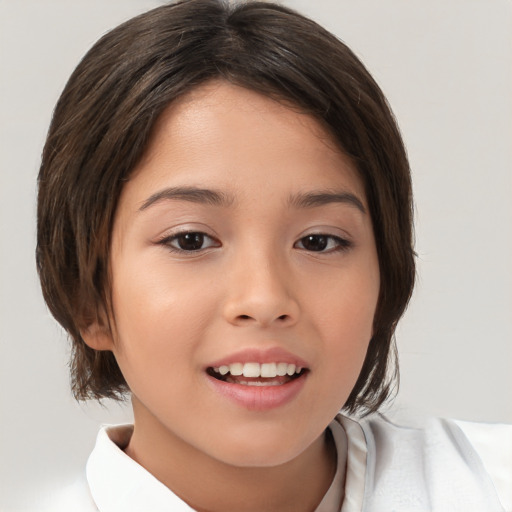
<point x="119" y="484"/>
<point x="357" y="454"/>
<point x="349" y="480"/>
<point x="389" y="466"/>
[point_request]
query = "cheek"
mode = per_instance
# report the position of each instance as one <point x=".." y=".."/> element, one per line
<point x="159" y="315"/>
<point x="150" y="291"/>
<point x="347" y="336"/>
<point x="345" y="304"/>
<point x="344" y="312"/>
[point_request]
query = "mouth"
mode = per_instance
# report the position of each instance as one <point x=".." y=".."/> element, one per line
<point x="256" y="374"/>
<point x="257" y="379"/>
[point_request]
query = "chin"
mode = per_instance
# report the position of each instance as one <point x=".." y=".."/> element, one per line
<point x="250" y="459"/>
<point x="260" y="451"/>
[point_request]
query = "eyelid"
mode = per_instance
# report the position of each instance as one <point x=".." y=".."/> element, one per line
<point x="166" y="239"/>
<point x="344" y="243"/>
<point x="183" y="229"/>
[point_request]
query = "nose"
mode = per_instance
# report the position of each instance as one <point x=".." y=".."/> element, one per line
<point x="260" y="292"/>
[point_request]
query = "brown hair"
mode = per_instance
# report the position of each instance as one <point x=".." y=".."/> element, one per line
<point x="102" y="123"/>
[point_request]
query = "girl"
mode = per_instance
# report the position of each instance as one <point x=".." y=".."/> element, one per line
<point x="225" y="231"/>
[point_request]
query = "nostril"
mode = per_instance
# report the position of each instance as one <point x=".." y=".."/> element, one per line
<point x="263" y="319"/>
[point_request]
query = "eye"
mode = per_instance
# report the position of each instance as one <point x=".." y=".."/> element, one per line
<point x="323" y="243"/>
<point x="189" y="241"/>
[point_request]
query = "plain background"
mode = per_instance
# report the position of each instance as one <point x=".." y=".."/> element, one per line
<point x="446" y="68"/>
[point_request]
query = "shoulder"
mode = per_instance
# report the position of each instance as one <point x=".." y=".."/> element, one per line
<point x="78" y="495"/>
<point x="75" y="496"/>
<point x="493" y="444"/>
<point x="437" y="464"/>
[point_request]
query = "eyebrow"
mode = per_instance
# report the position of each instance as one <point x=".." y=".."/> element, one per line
<point x="323" y="197"/>
<point x="218" y="198"/>
<point x="192" y="194"/>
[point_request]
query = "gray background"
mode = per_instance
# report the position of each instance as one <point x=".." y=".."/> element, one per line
<point x="446" y="67"/>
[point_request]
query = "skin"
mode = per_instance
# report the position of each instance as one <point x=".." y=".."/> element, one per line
<point x="254" y="284"/>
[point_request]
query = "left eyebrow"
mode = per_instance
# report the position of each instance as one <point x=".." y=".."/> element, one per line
<point x="190" y="194"/>
<point x="323" y="197"/>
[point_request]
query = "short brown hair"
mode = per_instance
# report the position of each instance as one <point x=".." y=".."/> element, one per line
<point x="103" y="120"/>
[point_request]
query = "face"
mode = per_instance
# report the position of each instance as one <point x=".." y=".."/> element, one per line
<point x="244" y="278"/>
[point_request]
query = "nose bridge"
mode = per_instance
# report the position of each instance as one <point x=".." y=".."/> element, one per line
<point x="260" y="286"/>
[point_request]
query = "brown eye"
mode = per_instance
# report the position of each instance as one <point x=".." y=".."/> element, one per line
<point x="189" y="241"/>
<point x="315" y="242"/>
<point x="323" y="243"/>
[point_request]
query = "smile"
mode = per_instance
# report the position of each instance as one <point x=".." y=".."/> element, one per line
<point x="258" y="378"/>
<point x="265" y="370"/>
<point x="258" y="386"/>
<point x="256" y="374"/>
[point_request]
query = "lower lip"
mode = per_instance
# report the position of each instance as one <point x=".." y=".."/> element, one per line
<point x="259" y="398"/>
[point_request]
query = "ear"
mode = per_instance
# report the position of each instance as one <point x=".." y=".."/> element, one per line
<point x="97" y="337"/>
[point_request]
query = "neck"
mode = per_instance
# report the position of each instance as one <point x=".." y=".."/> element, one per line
<point x="210" y="485"/>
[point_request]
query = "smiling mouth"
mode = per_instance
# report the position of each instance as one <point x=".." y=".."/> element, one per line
<point x="256" y="374"/>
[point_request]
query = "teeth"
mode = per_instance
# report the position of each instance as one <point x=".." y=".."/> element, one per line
<point x="251" y="370"/>
<point x="291" y="369"/>
<point x="269" y="370"/>
<point x="254" y="382"/>
<point x="254" y="370"/>
<point x="281" y="369"/>
<point x="236" y="369"/>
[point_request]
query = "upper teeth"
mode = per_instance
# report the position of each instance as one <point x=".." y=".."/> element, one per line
<point x="259" y="370"/>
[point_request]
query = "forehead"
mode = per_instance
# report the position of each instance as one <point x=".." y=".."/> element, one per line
<point x="226" y="136"/>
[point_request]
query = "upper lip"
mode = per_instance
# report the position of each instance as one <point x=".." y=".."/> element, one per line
<point x="258" y="355"/>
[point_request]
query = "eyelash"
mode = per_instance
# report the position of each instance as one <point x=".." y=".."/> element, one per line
<point x="340" y="244"/>
<point x="168" y="240"/>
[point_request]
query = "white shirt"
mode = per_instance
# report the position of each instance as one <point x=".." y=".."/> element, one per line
<point x="432" y="467"/>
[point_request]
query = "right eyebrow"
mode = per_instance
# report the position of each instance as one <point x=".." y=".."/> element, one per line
<point x="191" y="194"/>
<point x="323" y="197"/>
